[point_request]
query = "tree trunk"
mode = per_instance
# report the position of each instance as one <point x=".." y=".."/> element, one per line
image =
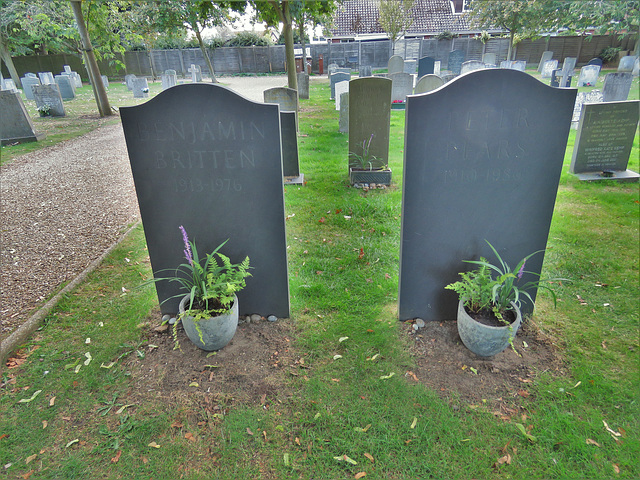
<point x="287" y="31"/>
<point x="303" y="45"/>
<point x="5" y="55"/>
<point x="511" y="35"/>
<point x="99" y="91"/>
<point x="205" y="54"/>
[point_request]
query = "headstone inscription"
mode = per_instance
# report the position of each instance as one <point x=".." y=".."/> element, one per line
<point x="66" y="86"/>
<point x="15" y="124"/>
<point x="49" y="95"/>
<point x="428" y="83"/>
<point x="548" y="68"/>
<point x="303" y="85"/>
<point x="335" y="78"/>
<point x="140" y="87"/>
<point x="290" y="160"/>
<point x="594" y="96"/>
<point x="456" y="58"/>
<point x="626" y="64"/>
<point x="214" y="166"/>
<point x="286" y="97"/>
<point x="128" y="79"/>
<point x="588" y="76"/>
<point x="546" y="56"/>
<point x="401" y="86"/>
<point x="369" y="117"/>
<point x="604" y="141"/>
<point x="616" y="87"/>
<point x="426" y="66"/>
<point x="27" y="84"/>
<point x="341" y="87"/>
<point x="343" y="122"/>
<point x="395" y="64"/>
<point x="470" y="66"/>
<point x="488" y="149"/>
<point x="365" y="71"/>
<point x="489" y="58"/>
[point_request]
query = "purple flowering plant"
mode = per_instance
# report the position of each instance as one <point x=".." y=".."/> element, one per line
<point x="496" y="287"/>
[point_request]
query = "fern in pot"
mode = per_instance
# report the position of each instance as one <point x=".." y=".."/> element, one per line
<point x="489" y="303"/>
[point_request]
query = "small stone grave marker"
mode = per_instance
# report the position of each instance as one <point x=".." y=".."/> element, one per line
<point x="410" y="66"/>
<point x="479" y="152"/>
<point x="436" y="67"/>
<point x="67" y="68"/>
<point x="208" y="159"/>
<point x="365" y="71"/>
<point x="470" y="66"/>
<point x="428" y="83"/>
<point x="343" y="122"/>
<point x="168" y="80"/>
<point x="402" y="85"/>
<point x="616" y="86"/>
<point x="196" y="73"/>
<point x="27" y="84"/>
<point x="10" y="86"/>
<point x="489" y="58"/>
<point x="626" y="64"/>
<point x="46" y="78"/>
<point x="128" y="80"/>
<point x="395" y="64"/>
<point x="303" y="85"/>
<point x="15" y="124"/>
<point x="290" y="160"/>
<point x="594" y="96"/>
<point x="105" y="81"/>
<point x="286" y="97"/>
<point x="604" y="141"/>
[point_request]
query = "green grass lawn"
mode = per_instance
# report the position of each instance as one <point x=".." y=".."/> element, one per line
<point x="358" y="412"/>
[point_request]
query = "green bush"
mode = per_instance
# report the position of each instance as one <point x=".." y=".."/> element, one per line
<point x="248" y="39"/>
<point x="609" y="54"/>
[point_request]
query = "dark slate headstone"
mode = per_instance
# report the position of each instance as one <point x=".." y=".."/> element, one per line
<point x="626" y="63"/>
<point x="595" y="61"/>
<point x="604" y="141"/>
<point x="66" y="86"/>
<point x="395" y="64"/>
<point x="369" y="114"/>
<point x="15" y="124"/>
<point x="365" y="71"/>
<point x="426" y="66"/>
<point x="588" y="76"/>
<point x="616" y="86"/>
<point x="303" y="85"/>
<point x="470" y="66"/>
<point x="428" y="83"/>
<point x="204" y="157"/>
<point x="548" y="68"/>
<point x="402" y="85"/>
<point x="140" y="87"/>
<point x="546" y="56"/>
<point x="49" y="95"/>
<point x="482" y="160"/>
<point x="456" y="58"/>
<point x="290" y="161"/>
<point x="335" y="78"/>
<point x="27" y="84"/>
<point x="343" y="122"/>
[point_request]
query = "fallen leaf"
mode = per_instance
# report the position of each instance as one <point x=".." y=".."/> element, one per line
<point x="361" y="255"/>
<point x="30" y="458"/>
<point x="117" y="457"/>
<point x="71" y="443"/>
<point x="604" y="344"/>
<point x="249" y="431"/>
<point x="612" y="432"/>
<point x="194" y="384"/>
<point x="414" y="423"/>
<point x="123" y="408"/>
<point x="346" y="459"/>
<point x="369" y="456"/>
<point x="153" y="445"/>
<point x="616" y="468"/>
<point x="176" y="424"/>
<point x="363" y="430"/>
<point x="502" y="460"/>
<point x="384" y="377"/>
<point x="4" y="435"/>
<point x="28" y="474"/>
<point x="52" y="401"/>
<point x="189" y="436"/>
<point x="44" y="424"/>
<point x="360" y="475"/>
<point x="342" y="339"/>
<point x="336" y="357"/>
<point x="523" y="393"/>
<point x="411" y="374"/>
<point x="592" y="442"/>
<point x="322" y="220"/>
<point x="28" y="400"/>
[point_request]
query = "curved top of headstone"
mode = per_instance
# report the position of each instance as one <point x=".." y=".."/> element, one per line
<point x="428" y="83"/>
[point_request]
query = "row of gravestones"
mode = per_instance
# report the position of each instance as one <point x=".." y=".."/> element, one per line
<point x="479" y="152"/>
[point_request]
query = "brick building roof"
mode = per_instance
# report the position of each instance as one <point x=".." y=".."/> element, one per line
<point x="358" y="17"/>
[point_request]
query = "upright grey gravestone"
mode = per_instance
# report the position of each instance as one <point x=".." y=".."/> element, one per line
<point x="636" y="67"/>
<point x="410" y="66"/>
<point x="569" y="64"/>
<point x="204" y="157"/>
<point x="616" y="87"/>
<point x="626" y="64"/>
<point x="128" y="80"/>
<point x="604" y="141"/>
<point x="67" y="68"/>
<point x="303" y="85"/>
<point x="489" y="58"/>
<point x="10" y="86"/>
<point x="286" y="97"/>
<point x="395" y="64"/>
<point x="519" y="65"/>
<point x="168" y="80"/>
<point x="290" y="160"/>
<point x="482" y="156"/>
<point x="546" y="56"/>
<point x="31" y="75"/>
<point x="46" y="78"/>
<point x="15" y="124"/>
<point x="594" y="96"/>
<point x="66" y="86"/>
<point x="196" y="73"/>
<point x="428" y="83"/>
<point x="27" y="85"/>
<point x="548" y="68"/>
<point x="456" y="59"/>
<point x="426" y="66"/>
<point x="588" y="76"/>
<point x="105" y="81"/>
<point x="49" y="95"/>
<point x="331" y="69"/>
<point x="140" y="87"/>
<point x="335" y="78"/>
<point x="365" y="71"/>
<point x="401" y="86"/>
<point x="341" y="87"/>
<point x="343" y="122"/>
<point x="369" y="117"/>
<point x="470" y="66"/>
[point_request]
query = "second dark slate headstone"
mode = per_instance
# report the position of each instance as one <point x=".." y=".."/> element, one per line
<point x="290" y="160"/>
<point x="454" y="64"/>
<point x="204" y="157"/>
<point x="426" y="66"/>
<point x="482" y="161"/>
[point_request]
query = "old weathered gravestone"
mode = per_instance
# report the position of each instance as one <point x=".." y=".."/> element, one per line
<point x="604" y="141"/>
<point x="140" y="87"/>
<point x="343" y="122"/>
<point x="369" y="117"/>
<point x="489" y="58"/>
<point x="169" y="80"/>
<point x="569" y="64"/>
<point x="105" y="81"/>
<point x="428" y="83"/>
<point x="401" y="86"/>
<point x="560" y="78"/>
<point x="594" y="96"/>
<point x="626" y="63"/>
<point x="588" y="76"/>
<point x="15" y="124"/>
<point x="204" y="157"/>
<point x="290" y="161"/>
<point x="196" y="73"/>
<point x="548" y="68"/>
<point x="616" y="87"/>
<point x="335" y="78"/>
<point x="395" y="64"/>
<point x="67" y="68"/>
<point x="365" y="71"/>
<point x="456" y="58"/>
<point x="483" y="157"/>
<point x="341" y="87"/>
<point x="410" y="66"/>
<point x="331" y="69"/>
<point x="46" y="78"/>
<point x="49" y="95"/>
<point x="10" y="86"/>
<point x="303" y="85"/>
<point x="66" y="86"/>
<point x="286" y="97"/>
<point x="27" y="84"/>
<point x="128" y="80"/>
<point x="426" y="66"/>
<point x="470" y="66"/>
<point x="546" y="56"/>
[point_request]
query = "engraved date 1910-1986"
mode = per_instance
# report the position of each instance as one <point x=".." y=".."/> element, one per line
<point x="204" y="185"/>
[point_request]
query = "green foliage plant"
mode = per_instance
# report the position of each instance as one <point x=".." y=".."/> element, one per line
<point x="366" y="161"/>
<point x="609" y="54"/>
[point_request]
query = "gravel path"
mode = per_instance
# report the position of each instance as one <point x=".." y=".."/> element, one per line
<point x="61" y="207"/>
